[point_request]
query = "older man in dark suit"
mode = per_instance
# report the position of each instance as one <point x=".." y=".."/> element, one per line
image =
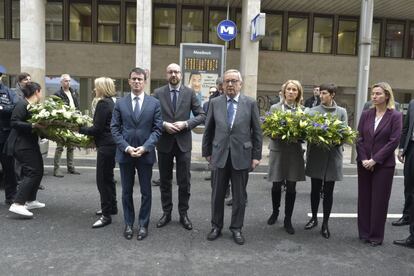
<point x="177" y="102"/>
<point x="136" y="127"/>
<point x="233" y="147"/>
<point x="406" y="156"/>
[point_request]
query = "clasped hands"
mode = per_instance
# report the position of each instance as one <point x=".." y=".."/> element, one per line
<point x="136" y="152"/>
<point x="175" y="127"/>
<point x="369" y="164"/>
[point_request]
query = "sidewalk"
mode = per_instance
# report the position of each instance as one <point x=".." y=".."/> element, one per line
<point x="87" y="157"/>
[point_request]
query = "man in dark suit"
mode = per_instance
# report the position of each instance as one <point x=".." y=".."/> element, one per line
<point x="315" y="100"/>
<point x="406" y="156"/>
<point x="136" y="127"/>
<point x="70" y="98"/>
<point x="177" y="102"/>
<point x="233" y="147"/>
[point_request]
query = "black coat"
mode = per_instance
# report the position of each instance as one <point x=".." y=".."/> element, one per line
<point x="101" y="129"/>
<point x="75" y="96"/>
<point x="21" y="135"/>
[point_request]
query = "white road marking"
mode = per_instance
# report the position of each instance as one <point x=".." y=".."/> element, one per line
<point x="351" y="215"/>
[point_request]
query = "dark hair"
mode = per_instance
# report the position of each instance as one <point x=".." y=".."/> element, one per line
<point x="22" y="76"/>
<point x="330" y="87"/>
<point x="30" y="89"/>
<point x="138" y="71"/>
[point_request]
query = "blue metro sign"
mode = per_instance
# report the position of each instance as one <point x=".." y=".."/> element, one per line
<point x="227" y="30"/>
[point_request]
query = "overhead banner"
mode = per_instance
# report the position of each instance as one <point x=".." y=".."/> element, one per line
<point x="201" y="64"/>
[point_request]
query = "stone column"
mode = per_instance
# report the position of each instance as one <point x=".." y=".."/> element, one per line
<point x="32" y="40"/>
<point x="144" y="37"/>
<point x="249" y="52"/>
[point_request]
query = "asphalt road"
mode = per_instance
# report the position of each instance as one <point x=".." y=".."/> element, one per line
<point x="59" y="239"/>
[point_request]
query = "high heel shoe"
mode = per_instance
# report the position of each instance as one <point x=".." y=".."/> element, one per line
<point x="325" y="231"/>
<point x="313" y="222"/>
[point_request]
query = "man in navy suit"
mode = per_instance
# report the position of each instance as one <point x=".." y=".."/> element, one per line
<point x="136" y="127"/>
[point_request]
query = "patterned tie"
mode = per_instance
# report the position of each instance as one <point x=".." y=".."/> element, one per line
<point x="137" y="109"/>
<point x="230" y="111"/>
<point x="174" y="100"/>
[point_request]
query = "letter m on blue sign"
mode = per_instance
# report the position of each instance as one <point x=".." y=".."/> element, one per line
<point x="227" y="30"/>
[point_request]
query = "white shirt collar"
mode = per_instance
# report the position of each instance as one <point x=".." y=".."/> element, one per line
<point x="236" y="99"/>
<point x="140" y="96"/>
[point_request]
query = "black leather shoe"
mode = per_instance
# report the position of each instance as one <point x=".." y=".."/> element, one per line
<point x="214" y="234"/>
<point x="128" y="232"/>
<point x="156" y="182"/>
<point x="142" y="233"/>
<point x="73" y="172"/>
<point x="164" y="220"/>
<point x="287" y="224"/>
<point x="102" y="221"/>
<point x="113" y="212"/>
<point x="186" y="222"/>
<point x="238" y="237"/>
<point x="408" y="242"/>
<point x="375" y="243"/>
<point x="313" y="222"/>
<point x="273" y="218"/>
<point x="325" y="231"/>
<point x="404" y="220"/>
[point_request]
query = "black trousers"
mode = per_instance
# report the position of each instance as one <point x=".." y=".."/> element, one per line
<point x="408" y="178"/>
<point x="166" y="165"/>
<point x="32" y="173"/>
<point x="10" y="183"/>
<point x="105" y="165"/>
<point x="221" y="177"/>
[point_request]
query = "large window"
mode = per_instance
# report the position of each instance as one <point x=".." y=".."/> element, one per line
<point x="273" y="37"/>
<point x="347" y="37"/>
<point x="215" y="18"/>
<point x="1" y="18"/>
<point x="108" y="23"/>
<point x="411" y="41"/>
<point x="297" y="34"/>
<point x="164" y="26"/>
<point x="394" y="40"/>
<point x="54" y="21"/>
<point x="322" y="35"/>
<point x="192" y="26"/>
<point x="376" y="39"/>
<point x="15" y="19"/>
<point x="131" y="24"/>
<point x="80" y="22"/>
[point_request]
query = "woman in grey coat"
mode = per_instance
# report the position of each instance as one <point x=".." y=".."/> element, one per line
<point x="286" y="164"/>
<point x="324" y="166"/>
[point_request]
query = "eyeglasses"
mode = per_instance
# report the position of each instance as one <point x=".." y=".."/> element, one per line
<point x="231" y="81"/>
<point x="173" y="72"/>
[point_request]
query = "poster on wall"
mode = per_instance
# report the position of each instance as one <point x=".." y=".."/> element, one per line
<point x="201" y="64"/>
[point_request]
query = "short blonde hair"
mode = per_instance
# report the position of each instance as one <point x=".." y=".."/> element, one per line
<point x="106" y="86"/>
<point x="388" y="92"/>
<point x="298" y="86"/>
